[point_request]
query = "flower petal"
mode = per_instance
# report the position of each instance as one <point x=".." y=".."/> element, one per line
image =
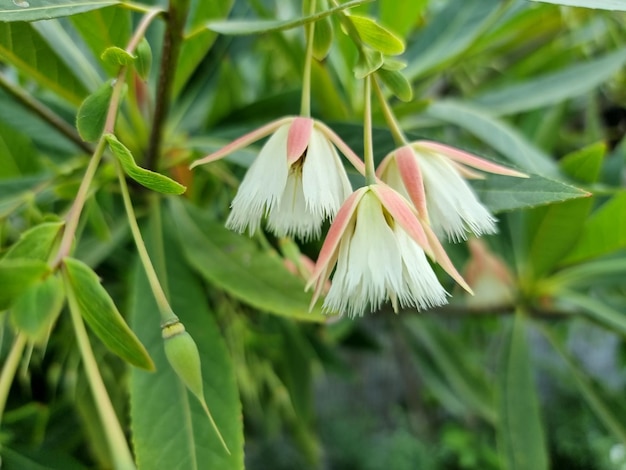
<point x="352" y="157"/>
<point x="298" y="139"/>
<point x="412" y="178"/>
<point x="242" y="141"/>
<point x="441" y="257"/>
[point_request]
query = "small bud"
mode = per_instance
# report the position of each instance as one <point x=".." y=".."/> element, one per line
<point x="182" y="354"/>
<point x="144" y="59"/>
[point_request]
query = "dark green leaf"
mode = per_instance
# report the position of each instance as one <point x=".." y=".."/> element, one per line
<point x="34" y="312"/>
<point x="92" y="113"/>
<point x="149" y="179"/>
<point x="233" y="263"/>
<point x="117" y="56"/>
<point x="241" y="27"/>
<point x="101" y="314"/>
<point x="397" y="83"/>
<point x="376" y="36"/>
<point x="35" y="10"/>
<point x="520" y="431"/>
<point x="194" y="444"/>
<point x="16" y="276"/>
<point x="23" y="47"/>
<point x="36" y="243"/>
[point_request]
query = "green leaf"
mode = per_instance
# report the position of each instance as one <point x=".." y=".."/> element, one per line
<point x="520" y="432"/>
<point x="35" y="10"/>
<point x="92" y="113"/>
<point x="97" y="308"/>
<point x="194" y="444"/>
<point x="552" y="88"/>
<point x="18" y="155"/>
<point x="233" y="263"/>
<point x="397" y="83"/>
<point x="117" y="56"/>
<point x="144" y="59"/>
<point x="23" y="47"/>
<point x="585" y="164"/>
<point x="376" y="36"/>
<point x="502" y="137"/>
<point x="369" y="61"/>
<point x="604" y="232"/>
<point x="591" y="392"/>
<point x="149" y="179"/>
<point x="35" y="243"/>
<point x="596" y="310"/>
<point x="600" y="4"/>
<point x="244" y="27"/>
<point x="504" y="193"/>
<point x="17" y="275"/>
<point x="324" y="34"/>
<point x="17" y="191"/>
<point x="401" y="15"/>
<point x="37" y="308"/>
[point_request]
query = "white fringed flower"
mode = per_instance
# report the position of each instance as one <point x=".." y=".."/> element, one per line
<point x="378" y="245"/>
<point x="432" y="176"/>
<point x="297" y="181"/>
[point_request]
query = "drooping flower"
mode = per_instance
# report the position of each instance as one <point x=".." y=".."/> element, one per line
<point x="433" y="176"/>
<point x="379" y="248"/>
<point x="297" y="181"/>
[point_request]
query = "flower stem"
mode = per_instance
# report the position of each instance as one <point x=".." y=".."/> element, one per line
<point x="392" y="122"/>
<point x="122" y="457"/>
<point x="9" y="368"/>
<point x="167" y="314"/>
<point x="368" y="146"/>
<point x="305" y="104"/>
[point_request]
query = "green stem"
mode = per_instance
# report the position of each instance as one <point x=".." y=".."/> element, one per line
<point x="9" y="368"/>
<point x="392" y="122"/>
<point x="167" y="315"/>
<point x="368" y="146"/>
<point x="305" y="106"/>
<point x="122" y="457"/>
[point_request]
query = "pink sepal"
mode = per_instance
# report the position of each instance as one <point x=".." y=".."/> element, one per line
<point x="412" y="178"/>
<point x="441" y="257"/>
<point x="242" y="141"/>
<point x="467" y="158"/>
<point x="335" y="232"/>
<point x="352" y="157"/>
<point x="400" y="210"/>
<point x="298" y="138"/>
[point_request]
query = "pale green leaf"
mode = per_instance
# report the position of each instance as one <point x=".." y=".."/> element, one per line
<point x="397" y="83"/>
<point x="520" y="432"/>
<point x="376" y="36"/>
<point x="243" y="27"/>
<point x="585" y="164"/>
<point x="369" y="61"/>
<point x="596" y="310"/>
<point x="17" y="275"/>
<point x="323" y="38"/>
<point x="18" y="155"/>
<point x="149" y="179"/>
<point x="402" y="15"/>
<point x="36" y="243"/>
<point x="552" y="88"/>
<point x="600" y="4"/>
<point x="233" y="263"/>
<point x="97" y="308"/>
<point x="35" y="10"/>
<point x="194" y="444"/>
<point x="117" y="56"/>
<point x="92" y="113"/>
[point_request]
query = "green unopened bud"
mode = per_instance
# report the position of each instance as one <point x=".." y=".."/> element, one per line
<point x="182" y="354"/>
<point x="144" y="59"/>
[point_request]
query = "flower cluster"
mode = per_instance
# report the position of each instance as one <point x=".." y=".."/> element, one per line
<point x="382" y="234"/>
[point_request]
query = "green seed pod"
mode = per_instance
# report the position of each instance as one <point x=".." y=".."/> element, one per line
<point x="182" y="353"/>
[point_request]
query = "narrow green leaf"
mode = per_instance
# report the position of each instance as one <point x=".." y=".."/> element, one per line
<point x="601" y="406"/>
<point x="117" y="56"/>
<point x="376" y="36"/>
<point x="149" y="179"/>
<point x="35" y="243"/>
<point x="552" y="88"/>
<point x="520" y="432"/>
<point x="397" y="83"/>
<point x="233" y="263"/>
<point x="194" y="444"/>
<point x="504" y="193"/>
<point x="144" y="59"/>
<point x="604" y="232"/>
<point x="24" y="48"/>
<point x="501" y="136"/>
<point x="600" y="4"/>
<point x="92" y="113"/>
<point x="101" y="314"/>
<point x="17" y="275"/>
<point x="243" y="27"/>
<point x="596" y="310"/>
<point x="35" y="10"/>
<point x="37" y="308"/>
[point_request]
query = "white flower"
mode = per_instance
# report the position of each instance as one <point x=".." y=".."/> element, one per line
<point x="297" y="181"/>
<point x="432" y="176"/>
<point x="378" y="245"/>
